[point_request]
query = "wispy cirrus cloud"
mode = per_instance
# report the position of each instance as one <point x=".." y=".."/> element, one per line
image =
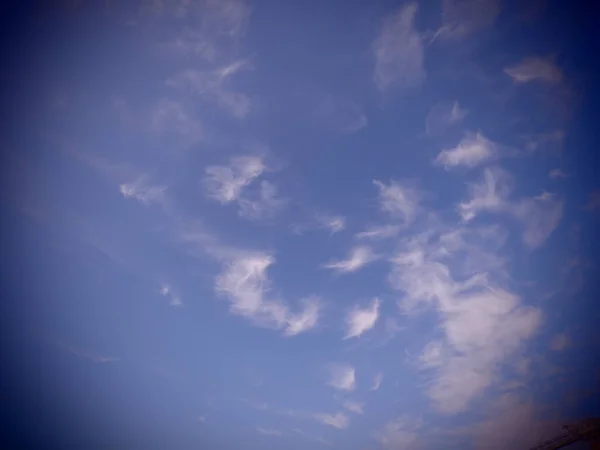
<point x="144" y="192"/>
<point x="170" y="117"/>
<point x="539" y="215"/>
<point x="481" y="320"/>
<point x="268" y="432"/>
<point x="377" y="382"/>
<point x="342" y="377"/>
<point x="474" y="149"/>
<point x="398" y="200"/>
<point x="167" y="291"/>
<point x="246" y="285"/>
<point x="214" y="86"/>
<point x="361" y="320"/>
<point x="341" y="115"/>
<point x="264" y="205"/>
<point x="400" y="433"/>
<point x="226" y="183"/>
<point x="462" y="18"/>
<point x="331" y="222"/>
<point x="355" y="407"/>
<point x="359" y="257"/>
<point x="338" y="420"/>
<point x="399" y="51"/>
<point x="535" y="68"/>
<point x="442" y="116"/>
<point x="379" y="232"/>
<point x="556" y="174"/>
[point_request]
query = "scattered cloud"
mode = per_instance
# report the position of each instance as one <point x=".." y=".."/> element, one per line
<point x="354" y="407"/>
<point x="558" y="173"/>
<point x="358" y="258"/>
<point x="535" y="69"/>
<point x="269" y="432"/>
<point x="246" y="284"/>
<point x="342" y="377"/>
<point x="334" y="224"/>
<point x="399" y="51"/>
<point x="462" y="18"/>
<point x="338" y="420"/>
<point x="377" y="382"/>
<point x="361" y="320"/>
<point x="442" y="116"/>
<point x="473" y="150"/>
<point x="379" y="232"/>
<point x="400" y="433"/>
<point x="214" y="86"/>
<point x="226" y="183"/>
<point x="398" y="200"/>
<point x="539" y="215"/>
<point x="560" y="342"/>
<point x="143" y="192"/>
<point x="482" y="322"/>
<point x="167" y="291"/>
<point x="264" y="206"/>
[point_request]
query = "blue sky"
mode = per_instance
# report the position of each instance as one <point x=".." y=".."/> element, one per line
<point x="296" y="225"/>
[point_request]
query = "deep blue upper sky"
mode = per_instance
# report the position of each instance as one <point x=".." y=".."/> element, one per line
<point x="281" y="224"/>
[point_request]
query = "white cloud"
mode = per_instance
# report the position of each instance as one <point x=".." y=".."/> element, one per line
<point x="268" y="432"/>
<point x="398" y="200"/>
<point x="334" y="224"/>
<point x="399" y="51"/>
<point x="246" y="285"/>
<point x="265" y="206"/>
<point x="226" y="183"/>
<point x="473" y="150"/>
<point x="535" y="69"/>
<point x="560" y="342"/>
<point x="377" y="382"/>
<point x="442" y="116"/>
<point x="213" y="85"/>
<point x="464" y="17"/>
<point x="361" y="320"/>
<point x="342" y="377"/>
<point x="558" y="173"/>
<point x="354" y="407"/>
<point x="539" y="216"/>
<point x="338" y="420"/>
<point x="379" y="232"/>
<point x="143" y="192"/>
<point x="482" y="322"/>
<point x="167" y="291"/>
<point x="400" y="433"/>
<point x="358" y="258"/>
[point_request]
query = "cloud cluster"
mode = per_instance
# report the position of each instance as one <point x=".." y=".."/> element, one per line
<point x="399" y="51"/>
<point x="246" y="285"/>
<point x="229" y="184"/>
<point x="539" y="216"/>
<point x="482" y="322"/>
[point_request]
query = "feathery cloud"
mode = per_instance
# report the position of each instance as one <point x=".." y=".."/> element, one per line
<point x="535" y="69"/>
<point x="377" y="382"/>
<point x="264" y="206"/>
<point x="464" y="17"/>
<point x="399" y="51"/>
<point x="379" y="232"/>
<point x="226" y="183"/>
<point x="342" y="377"/>
<point x="358" y="258"/>
<point x="442" y="116"/>
<point x="355" y="407"/>
<point x="174" y="118"/>
<point x="472" y="150"/>
<point x="144" y="192"/>
<point x="361" y="320"/>
<point x="482" y="322"/>
<point x="398" y="200"/>
<point x="341" y="115"/>
<point x="558" y="173"/>
<point x="213" y="85"/>
<point x="245" y="283"/>
<point x="338" y="420"/>
<point x="268" y="432"/>
<point x="399" y="433"/>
